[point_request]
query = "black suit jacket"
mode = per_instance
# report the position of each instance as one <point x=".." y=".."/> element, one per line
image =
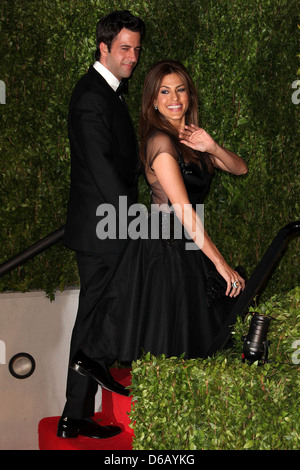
<point x="104" y="155"/>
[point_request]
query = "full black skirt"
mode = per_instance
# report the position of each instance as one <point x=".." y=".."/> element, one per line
<point x="160" y="301"/>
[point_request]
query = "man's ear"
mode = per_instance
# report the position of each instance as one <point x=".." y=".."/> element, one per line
<point x="103" y="49"/>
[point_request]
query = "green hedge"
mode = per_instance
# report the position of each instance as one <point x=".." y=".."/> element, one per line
<point x="243" y="58"/>
<point x="221" y="403"/>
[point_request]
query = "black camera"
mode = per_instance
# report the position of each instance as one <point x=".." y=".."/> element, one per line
<point x="255" y="343"/>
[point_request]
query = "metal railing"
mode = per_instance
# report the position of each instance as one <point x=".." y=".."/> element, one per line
<point x="261" y="273"/>
<point x="31" y="251"/>
<point x="253" y="286"/>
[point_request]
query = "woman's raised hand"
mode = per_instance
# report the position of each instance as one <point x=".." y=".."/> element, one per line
<point x="197" y="138"/>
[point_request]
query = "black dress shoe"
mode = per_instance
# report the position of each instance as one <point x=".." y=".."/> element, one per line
<point x="70" y="428"/>
<point x="98" y="372"/>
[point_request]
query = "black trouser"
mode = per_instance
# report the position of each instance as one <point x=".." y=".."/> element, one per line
<point x="94" y="274"/>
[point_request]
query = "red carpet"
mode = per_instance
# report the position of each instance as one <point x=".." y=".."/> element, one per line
<point x="115" y="409"/>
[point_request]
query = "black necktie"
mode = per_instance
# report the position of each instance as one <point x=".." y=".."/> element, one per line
<point x="123" y="87"/>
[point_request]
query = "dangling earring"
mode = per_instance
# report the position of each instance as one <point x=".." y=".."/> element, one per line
<point x="155" y="107"/>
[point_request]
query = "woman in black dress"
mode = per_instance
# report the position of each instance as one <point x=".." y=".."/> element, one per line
<point x="161" y="287"/>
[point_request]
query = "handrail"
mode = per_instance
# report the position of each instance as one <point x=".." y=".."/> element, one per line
<point x="253" y="286"/>
<point x="31" y="251"/>
<point x="259" y="277"/>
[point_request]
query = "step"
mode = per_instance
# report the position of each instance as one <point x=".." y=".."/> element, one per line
<point x="115" y="409"/>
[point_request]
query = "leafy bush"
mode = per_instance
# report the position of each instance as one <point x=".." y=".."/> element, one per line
<point x="221" y="403"/>
<point x="243" y="58"/>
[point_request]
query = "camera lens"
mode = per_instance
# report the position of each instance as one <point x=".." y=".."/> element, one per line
<point x="255" y="343"/>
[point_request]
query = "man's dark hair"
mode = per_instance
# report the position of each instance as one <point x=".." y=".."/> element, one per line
<point x="110" y="26"/>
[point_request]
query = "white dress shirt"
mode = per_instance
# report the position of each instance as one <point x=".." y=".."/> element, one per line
<point x="107" y="75"/>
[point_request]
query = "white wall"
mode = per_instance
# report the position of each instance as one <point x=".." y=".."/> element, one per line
<point x="32" y="324"/>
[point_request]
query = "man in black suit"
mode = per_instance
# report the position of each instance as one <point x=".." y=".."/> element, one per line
<point x="104" y="157"/>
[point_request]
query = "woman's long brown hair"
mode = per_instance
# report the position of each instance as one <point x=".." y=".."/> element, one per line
<point x="152" y="120"/>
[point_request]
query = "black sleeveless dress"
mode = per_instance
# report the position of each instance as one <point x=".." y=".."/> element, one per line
<point x="158" y="300"/>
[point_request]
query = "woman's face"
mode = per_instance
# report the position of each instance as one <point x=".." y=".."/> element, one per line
<point x="172" y="100"/>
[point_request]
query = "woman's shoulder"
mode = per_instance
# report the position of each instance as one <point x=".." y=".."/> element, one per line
<point x="160" y="141"/>
<point x="156" y="135"/>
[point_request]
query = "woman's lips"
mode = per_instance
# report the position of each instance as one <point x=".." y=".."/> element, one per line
<point x="175" y="106"/>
